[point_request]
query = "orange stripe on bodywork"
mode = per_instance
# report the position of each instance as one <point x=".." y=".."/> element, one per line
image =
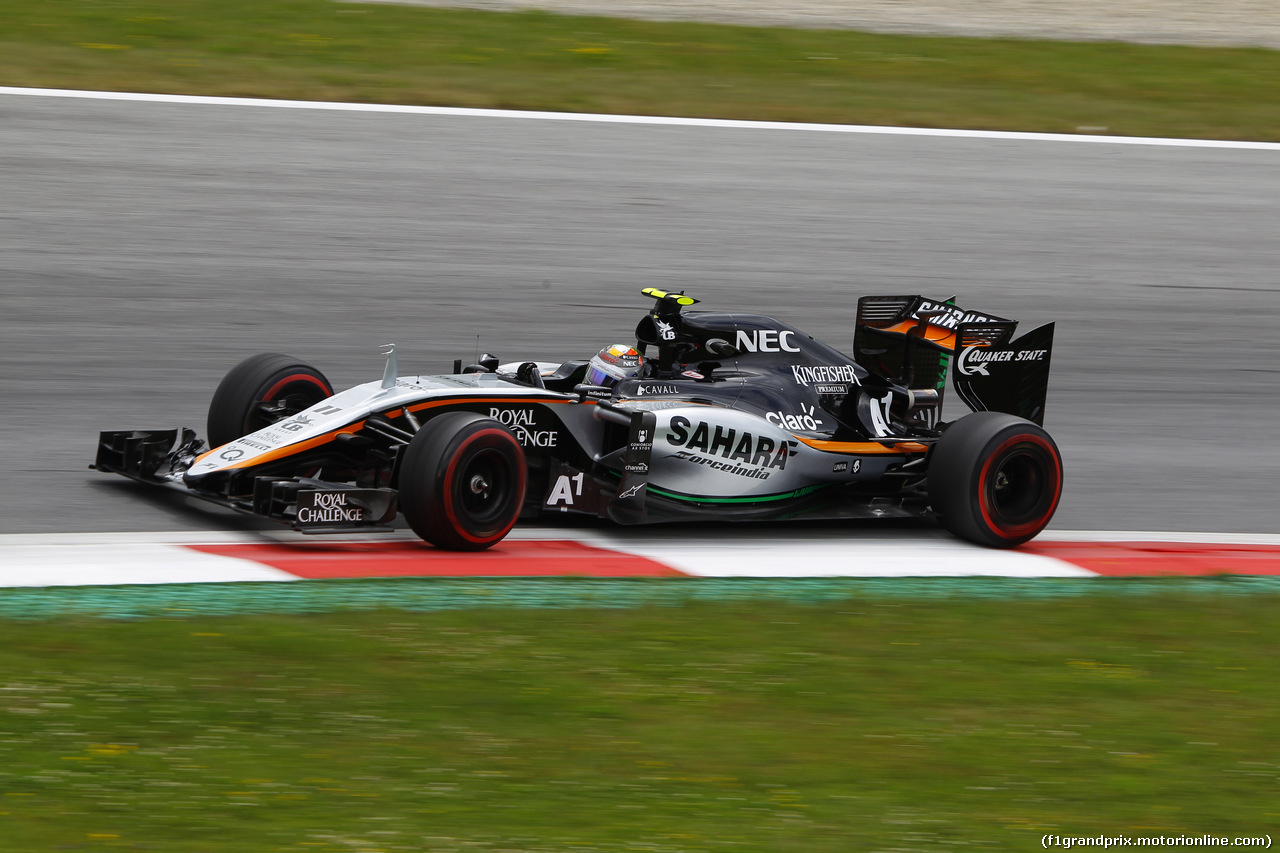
<point x="290" y="449"/>
<point x="492" y="400"/>
<point x="865" y="448"/>
<point x="868" y="448"/>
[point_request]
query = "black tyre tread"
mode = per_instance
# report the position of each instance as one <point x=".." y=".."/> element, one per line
<point x="241" y="388"/>
<point x="421" y="479"/>
<point x="955" y="468"/>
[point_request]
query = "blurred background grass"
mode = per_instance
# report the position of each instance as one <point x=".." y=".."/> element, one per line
<point x="870" y="723"/>
<point x="321" y="50"/>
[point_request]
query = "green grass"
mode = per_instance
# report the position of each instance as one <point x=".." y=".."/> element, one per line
<point x="321" y="50"/>
<point x="873" y="723"/>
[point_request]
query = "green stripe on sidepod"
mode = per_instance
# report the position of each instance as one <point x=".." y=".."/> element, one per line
<point x="798" y="493"/>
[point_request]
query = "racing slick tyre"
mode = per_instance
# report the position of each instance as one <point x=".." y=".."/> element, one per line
<point x="260" y="391"/>
<point x="995" y="479"/>
<point x="462" y="481"/>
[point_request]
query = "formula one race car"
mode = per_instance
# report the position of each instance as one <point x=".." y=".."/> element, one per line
<point x="711" y="416"/>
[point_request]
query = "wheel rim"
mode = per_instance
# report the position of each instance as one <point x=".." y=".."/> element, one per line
<point x="1020" y="487"/>
<point x="285" y="399"/>
<point x="482" y="488"/>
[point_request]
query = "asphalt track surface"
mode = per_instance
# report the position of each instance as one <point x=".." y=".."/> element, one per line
<point x="146" y="247"/>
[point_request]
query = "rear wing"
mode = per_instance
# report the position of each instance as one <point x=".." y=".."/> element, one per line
<point x="911" y="340"/>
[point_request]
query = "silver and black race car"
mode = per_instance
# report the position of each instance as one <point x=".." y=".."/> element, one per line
<point x="727" y="416"/>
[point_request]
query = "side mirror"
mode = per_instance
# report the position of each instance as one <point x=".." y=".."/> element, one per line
<point x="596" y="392"/>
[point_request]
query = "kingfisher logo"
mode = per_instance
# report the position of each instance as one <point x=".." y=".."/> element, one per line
<point x="814" y="374"/>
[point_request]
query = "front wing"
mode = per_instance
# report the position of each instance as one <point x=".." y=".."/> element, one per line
<point x="309" y="505"/>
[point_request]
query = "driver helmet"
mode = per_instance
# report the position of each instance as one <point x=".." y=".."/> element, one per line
<point x="613" y="364"/>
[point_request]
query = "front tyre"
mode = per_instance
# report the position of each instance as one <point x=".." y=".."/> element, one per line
<point x="462" y="481"/>
<point x="262" y="390"/>
<point x="995" y="479"/>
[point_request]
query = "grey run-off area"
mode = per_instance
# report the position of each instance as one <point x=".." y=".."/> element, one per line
<point x="1204" y="22"/>
<point x="147" y="247"/>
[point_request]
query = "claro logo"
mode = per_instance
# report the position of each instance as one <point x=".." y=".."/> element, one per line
<point x="806" y="420"/>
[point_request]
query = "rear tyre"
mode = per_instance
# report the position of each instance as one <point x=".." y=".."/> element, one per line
<point x="462" y="481"/>
<point x="262" y="390"/>
<point x="995" y="479"/>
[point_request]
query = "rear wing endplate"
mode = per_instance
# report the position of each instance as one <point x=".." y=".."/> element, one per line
<point x="1004" y="376"/>
<point x="911" y="340"/>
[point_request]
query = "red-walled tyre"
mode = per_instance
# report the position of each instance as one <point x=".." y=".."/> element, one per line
<point x="462" y="481"/>
<point x="260" y="391"/>
<point x="995" y="479"/>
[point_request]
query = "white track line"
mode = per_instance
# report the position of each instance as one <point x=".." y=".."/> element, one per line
<point x="134" y="563"/>
<point x="782" y="557"/>
<point x="604" y="118"/>
<point x="1119" y="536"/>
<point x="87" y="559"/>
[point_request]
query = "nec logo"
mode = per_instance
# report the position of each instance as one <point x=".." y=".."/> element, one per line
<point x="765" y="340"/>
